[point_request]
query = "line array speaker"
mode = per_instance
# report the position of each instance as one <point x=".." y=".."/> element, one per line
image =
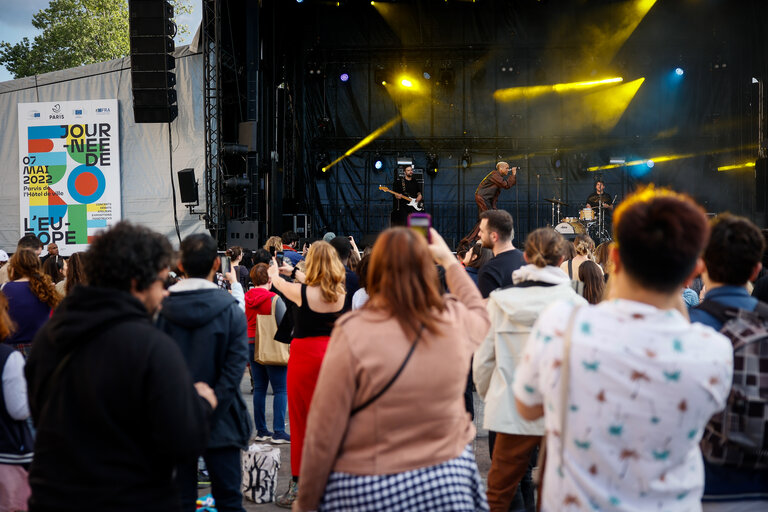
<point x="152" y="62"/>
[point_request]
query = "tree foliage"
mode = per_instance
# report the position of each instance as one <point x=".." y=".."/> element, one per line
<point x="75" y="32"/>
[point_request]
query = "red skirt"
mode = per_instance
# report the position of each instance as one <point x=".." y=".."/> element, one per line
<point x="303" y="368"/>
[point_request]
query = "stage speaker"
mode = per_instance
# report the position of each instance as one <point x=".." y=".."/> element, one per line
<point x="187" y="186"/>
<point x="152" y="62"/>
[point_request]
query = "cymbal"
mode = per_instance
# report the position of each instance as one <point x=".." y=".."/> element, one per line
<point x="556" y="201"/>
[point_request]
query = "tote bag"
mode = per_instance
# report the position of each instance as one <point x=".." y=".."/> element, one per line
<point x="267" y="350"/>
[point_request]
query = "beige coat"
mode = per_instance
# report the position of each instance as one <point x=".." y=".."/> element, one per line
<point x="419" y="421"/>
<point x="513" y="311"/>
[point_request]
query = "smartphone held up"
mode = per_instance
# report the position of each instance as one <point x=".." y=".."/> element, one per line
<point x="421" y="222"/>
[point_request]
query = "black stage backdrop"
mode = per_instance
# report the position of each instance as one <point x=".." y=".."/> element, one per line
<point x="690" y="125"/>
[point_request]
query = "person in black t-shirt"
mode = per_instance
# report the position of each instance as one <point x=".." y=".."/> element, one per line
<point x="497" y="232"/>
<point x="407" y="186"/>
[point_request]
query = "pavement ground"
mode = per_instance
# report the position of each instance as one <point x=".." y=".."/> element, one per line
<point x="284" y="473"/>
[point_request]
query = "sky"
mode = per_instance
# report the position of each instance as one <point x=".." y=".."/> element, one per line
<point x="16" y="23"/>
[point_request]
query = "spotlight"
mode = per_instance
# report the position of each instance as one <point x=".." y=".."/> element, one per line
<point x="322" y="161"/>
<point x="426" y="75"/>
<point x="344" y="77"/>
<point x="406" y="83"/>
<point x="650" y="164"/>
<point x="378" y="164"/>
<point x="381" y="75"/>
<point x="679" y="71"/>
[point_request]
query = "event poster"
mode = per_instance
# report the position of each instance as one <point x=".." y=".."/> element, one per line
<point x="69" y="166"/>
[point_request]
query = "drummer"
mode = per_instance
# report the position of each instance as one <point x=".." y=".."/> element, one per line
<point x="600" y="197"/>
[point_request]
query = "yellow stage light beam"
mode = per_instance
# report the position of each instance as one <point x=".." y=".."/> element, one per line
<point x="605" y="107"/>
<point x="745" y="165"/>
<point x="519" y="93"/>
<point x="644" y="161"/>
<point x="603" y="39"/>
<point x="367" y="140"/>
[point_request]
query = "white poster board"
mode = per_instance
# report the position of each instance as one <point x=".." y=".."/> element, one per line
<point x="69" y="168"/>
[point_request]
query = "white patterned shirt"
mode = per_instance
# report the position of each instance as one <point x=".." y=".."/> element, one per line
<point x="643" y="384"/>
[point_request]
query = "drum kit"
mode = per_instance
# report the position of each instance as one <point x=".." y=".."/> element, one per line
<point x="589" y="222"/>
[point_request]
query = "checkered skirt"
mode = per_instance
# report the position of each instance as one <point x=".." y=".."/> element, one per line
<point x="454" y="485"/>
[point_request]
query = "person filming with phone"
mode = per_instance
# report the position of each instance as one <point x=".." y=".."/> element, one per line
<point x="319" y="295"/>
<point x="375" y="421"/>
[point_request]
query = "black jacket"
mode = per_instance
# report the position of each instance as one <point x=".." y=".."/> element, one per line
<point x="211" y="331"/>
<point x="122" y="413"/>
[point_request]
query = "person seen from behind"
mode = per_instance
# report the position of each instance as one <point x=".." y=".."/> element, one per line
<point x="627" y="386"/>
<point x="319" y="296"/>
<point x="16" y="443"/>
<point x="110" y="395"/>
<point x="737" y="478"/>
<point x="513" y="311"/>
<point x="375" y="421"/>
<point x="259" y="303"/>
<point x="210" y="329"/>
<point x="31" y="297"/>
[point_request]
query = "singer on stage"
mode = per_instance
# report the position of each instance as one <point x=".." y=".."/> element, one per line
<point x="487" y="193"/>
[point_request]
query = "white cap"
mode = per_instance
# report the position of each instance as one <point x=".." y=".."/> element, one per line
<point x="3" y="255"/>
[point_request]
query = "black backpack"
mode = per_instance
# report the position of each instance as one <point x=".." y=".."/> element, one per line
<point x="738" y="435"/>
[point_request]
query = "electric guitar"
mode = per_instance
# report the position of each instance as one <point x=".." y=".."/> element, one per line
<point x="411" y="200"/>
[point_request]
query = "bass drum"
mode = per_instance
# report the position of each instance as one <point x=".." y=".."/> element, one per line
<point x="570" y="228"/>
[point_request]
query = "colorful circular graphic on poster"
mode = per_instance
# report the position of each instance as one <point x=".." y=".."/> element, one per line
<point x="86" y="184"/>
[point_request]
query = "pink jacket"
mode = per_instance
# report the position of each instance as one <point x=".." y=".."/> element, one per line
<point x="419" y="421"/>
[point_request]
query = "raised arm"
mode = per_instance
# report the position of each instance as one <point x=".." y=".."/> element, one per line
<point x="291" y="291"/>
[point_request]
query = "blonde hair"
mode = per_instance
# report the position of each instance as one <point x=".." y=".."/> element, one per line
<point x="584" y="245"/>
<point x="274" y="241"/>
<point x="324" y="269"/>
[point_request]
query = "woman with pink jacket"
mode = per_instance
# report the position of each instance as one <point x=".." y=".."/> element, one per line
<point x="387" y="428"/>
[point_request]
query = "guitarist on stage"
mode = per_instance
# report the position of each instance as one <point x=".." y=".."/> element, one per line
<point x="408" y="187"/>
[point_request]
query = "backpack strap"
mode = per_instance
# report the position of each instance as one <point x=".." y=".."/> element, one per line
<point x="721" y="312"/>
<point x="570" y="269"/>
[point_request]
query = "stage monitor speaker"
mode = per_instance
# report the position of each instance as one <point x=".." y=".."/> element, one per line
<point x="187" y="186"/>
<point x="151" y="30"/>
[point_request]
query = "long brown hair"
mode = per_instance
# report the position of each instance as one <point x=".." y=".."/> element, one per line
<point x="25" y="263"/>
<point x="6" y="324"/>
<point x="402" y="281"/>
<point x="594" y="284"/>
<point x="75" y="272"/>
<point x="324" y="269"/>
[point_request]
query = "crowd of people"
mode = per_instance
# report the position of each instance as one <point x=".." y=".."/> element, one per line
<point x="604" y="386"/>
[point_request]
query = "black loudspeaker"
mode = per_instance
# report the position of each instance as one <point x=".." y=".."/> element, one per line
<point x="761" y="184"/>
<point x="187" y="186"/>
<point x="152" y="62"/>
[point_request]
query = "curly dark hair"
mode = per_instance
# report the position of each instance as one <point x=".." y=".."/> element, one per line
<point x="126" y="253"/>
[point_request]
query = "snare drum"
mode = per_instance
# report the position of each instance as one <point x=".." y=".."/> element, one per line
<point x="570" y="228"/>
<point x="587" y="214"/>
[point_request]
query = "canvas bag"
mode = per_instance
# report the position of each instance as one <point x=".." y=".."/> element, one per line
<point x="260" y="463"/>
<point x="737" y="436"/>
<point x="267" y="350"/>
